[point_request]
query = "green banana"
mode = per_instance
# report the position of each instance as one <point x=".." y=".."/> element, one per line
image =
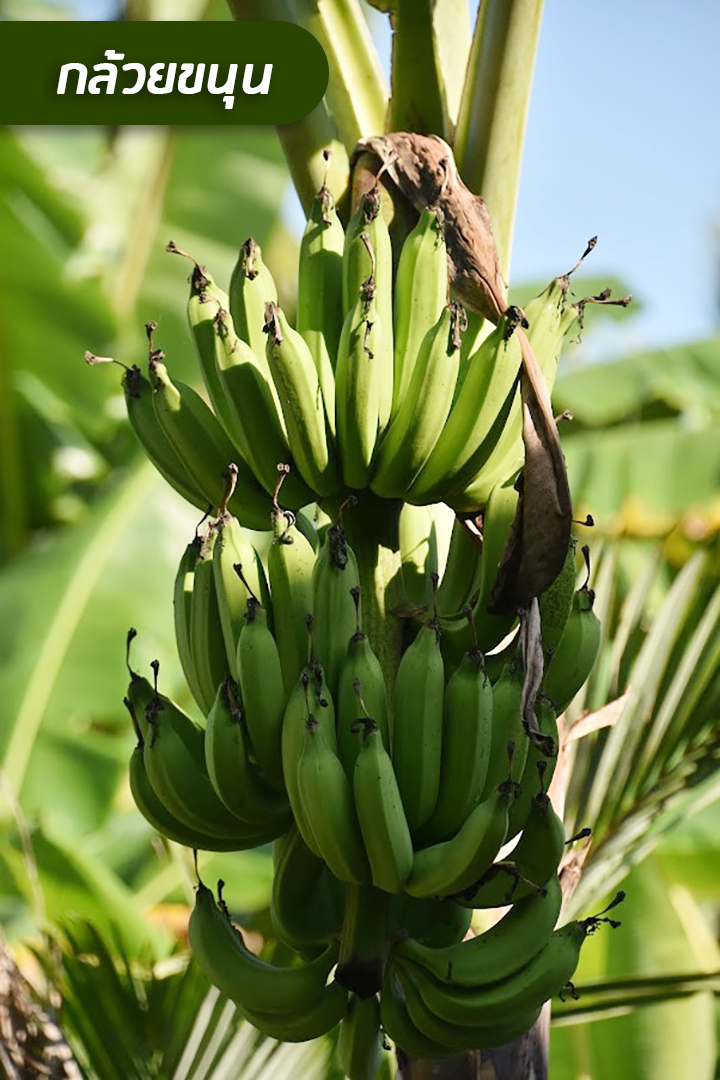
<point x="233" y="548"/>
<point x="360" y="674"/>
<point x="577" y="652"/>
<point x="140" y="691"/>
<point x="397" y="1023"/>
<point x="500" y="951"/>
<point x="541" y="845"/>
<point x="203" y="303"/>
<point x="151" y="436"/>
<point x="380" y="812"/>
<point x="308" y="698"/>
<point x="478" y="329"/>
<point x="306" y="903"/>
<point x="305" y="525"/>
<point x="251" y="288"/>
<point x="182" y="609"/>
<point x="207" y="642"/>
<point x="321" y="522"/>
<point x="424" y="410"/>
<point x="530" y="866"/>
<point x="359" y="378"/>
<point x="507" y="728"/>
<point x="252" y="983"/>
<point x="329" y="808"/>
<point x="163" y="821"/>
<point x="417" y="729"/>
<point x="487" y="630"/>
<point x="298" y="386"/>
<point x="432" y="921"/>
<point x="236" y="780"/>
<point x="550" y="317"/>
<point x="174" y="757"/>
<point x="319" y="304"/>
<point x="291" y="560"/>
<point x="555" y="604"/>
<point x="503" y="465"/>
<point x="518" y="995"/>
<point x="314" y="1021"/>
<point x="460" y="581"/>
<point x="417" y="537"/>
<point x="421" y="292"/>
<point x="261" y="686"/>
<point x="469" y="435"/>
<point x="463" y="1037"/>
<point x="359" y="265"/>
<point x="203" y="447"/>
<point x="256" y="423"/>
<point x="335" y="575"/>
<point x="360" y="1044"/>
<point x="498" y="518"/>
<point x="453" y="865"/>
<point x="466" y="741"/>
<point x="547" y="725"/>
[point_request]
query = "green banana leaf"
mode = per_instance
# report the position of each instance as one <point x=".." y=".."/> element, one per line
<point x="646" y="478"/>
<point x="690" y="855"/>
<point x="42" y="434"/>
<point x="685" y="379"/>
<point x="65" y="608"/>
<point x="47" y="311"/>
<point x="50" y="879"/>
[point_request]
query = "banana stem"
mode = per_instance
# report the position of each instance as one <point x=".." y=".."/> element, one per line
<point x="304" y="144"/>
<point x="418" y="99"/>
<point x="493" y="110"/>
<point x="364" y="941"/>
<point x="355" y="102"/>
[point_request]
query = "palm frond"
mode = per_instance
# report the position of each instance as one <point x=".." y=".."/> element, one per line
<point x="658" y="763"/>
<point x="153" y="1018"/>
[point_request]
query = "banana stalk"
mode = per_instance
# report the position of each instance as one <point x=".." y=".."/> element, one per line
<point x="491" y="125"/>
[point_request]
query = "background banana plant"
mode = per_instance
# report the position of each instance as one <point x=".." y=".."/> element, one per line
<point x="84" y="218"/>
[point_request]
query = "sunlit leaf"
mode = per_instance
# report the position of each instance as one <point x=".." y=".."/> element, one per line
<point x="65" y="607"/>
<point x="684" y="379"/>
<point x="674" y="1038"/>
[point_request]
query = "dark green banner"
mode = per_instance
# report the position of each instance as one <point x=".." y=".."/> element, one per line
<point x="167" y="73"/>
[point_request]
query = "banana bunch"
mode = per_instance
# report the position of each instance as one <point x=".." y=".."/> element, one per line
<point x="407" y="796"/>
<point x="401" y="788"/>
<point x="373" y="386"/>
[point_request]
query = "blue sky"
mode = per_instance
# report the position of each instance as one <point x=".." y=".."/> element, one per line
<point x="622" y="141"/>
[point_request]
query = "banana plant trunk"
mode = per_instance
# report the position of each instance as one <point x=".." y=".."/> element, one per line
<point x="525" y="1058"/>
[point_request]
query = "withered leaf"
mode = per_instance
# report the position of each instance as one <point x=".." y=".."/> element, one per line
<point x="532" y="651"/>
<point x="424" y="170"/>
<point x="539" y="538"/>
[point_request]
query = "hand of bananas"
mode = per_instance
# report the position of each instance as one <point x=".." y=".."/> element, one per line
<point x="392" y="798"/>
